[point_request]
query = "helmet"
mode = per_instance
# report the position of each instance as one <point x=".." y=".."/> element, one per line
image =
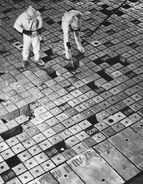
<point x="30" y="11"/>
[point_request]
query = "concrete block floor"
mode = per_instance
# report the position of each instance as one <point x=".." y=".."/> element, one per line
<point x="81" y="126"/>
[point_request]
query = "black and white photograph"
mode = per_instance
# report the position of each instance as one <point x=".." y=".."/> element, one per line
<point x="71" y="91"/>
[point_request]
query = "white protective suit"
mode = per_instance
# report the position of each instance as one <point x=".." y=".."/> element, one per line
<point x="66" y="21"/>
<point x="33" y="23"/>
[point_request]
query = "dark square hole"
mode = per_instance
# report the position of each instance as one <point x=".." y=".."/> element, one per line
<point x="49" y="21"/>
<point x="92" y="130"/>
<point x="106" y="23"/>
<point x="110" y="32"/>
<point x="79" y="56"/>
<point x="8" y="175"/>
<point x="92" y="120"/>
<point x="7" y="10"/>
<point x="61" y="146"/>
<point x="12" y="132"/>
<point x="46" y="59"/>
<point x="60" y="22"/>
<point x="108" y="44"/>
<point x="133" y="45"/>
<point x="126" y="6"/>
<point x="100" y="90"/>
<point x="104" y="6"/>
<point x="127" y="111"/>
<point x="41" y="9"/>
<point x="114" y="60"/>
<point x="136" y="21"/>
<point x="119" y="13"/>
<point x="1" y="100"/>
<point x="104" y="75"/>
<point x="130" y="74"/>
<point x="13" y="161"/>
<point x="107" y="12"/>
<point x="49" y="52"/>
<point x="98" y="61"/>
<point x="51" y="152"/>
<point x="105" y="58"/>
<point x="52" y="74"/>
<point x="92" y="85"/>
<point x="64" y="106"/>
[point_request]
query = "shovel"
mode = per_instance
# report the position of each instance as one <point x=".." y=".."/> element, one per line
<point x="71" y="58"/>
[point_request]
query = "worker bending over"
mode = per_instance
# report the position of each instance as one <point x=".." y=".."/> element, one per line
<point x="71" y="22"/>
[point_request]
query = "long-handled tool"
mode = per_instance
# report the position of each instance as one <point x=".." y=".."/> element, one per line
<point x="71" y="58"/>
<point x="111" y="13"/>
<point x="70" y="53"/>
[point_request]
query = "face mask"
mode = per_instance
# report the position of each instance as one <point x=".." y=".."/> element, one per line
<point x="74" y="29"/>
<point x="75" y="24"/>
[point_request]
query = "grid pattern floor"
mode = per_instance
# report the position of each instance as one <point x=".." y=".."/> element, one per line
<point x="80" y="125"/>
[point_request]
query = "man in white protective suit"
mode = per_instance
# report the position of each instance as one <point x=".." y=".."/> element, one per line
<point x="71" y="22"/>
<point x="29" y="23"/>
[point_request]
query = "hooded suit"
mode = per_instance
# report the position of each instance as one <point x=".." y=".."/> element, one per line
<point x="30" y="20"/>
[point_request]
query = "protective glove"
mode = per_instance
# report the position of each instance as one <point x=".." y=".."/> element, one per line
<point x="81" y="49"/>
<point x="28" y="33"/>
<point x="41" y="39"/>
<point x="68" y="45"/>
<point x="39" y="31"/>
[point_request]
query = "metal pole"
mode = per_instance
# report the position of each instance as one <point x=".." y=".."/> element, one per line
<point x="112" y="12"/>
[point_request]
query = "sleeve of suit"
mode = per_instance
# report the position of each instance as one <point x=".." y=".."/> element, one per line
<point x="65" y="27"/>
<point x="18" y="24"/>
<point x="66" y="34"/>
<point x="39" y="18"/>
